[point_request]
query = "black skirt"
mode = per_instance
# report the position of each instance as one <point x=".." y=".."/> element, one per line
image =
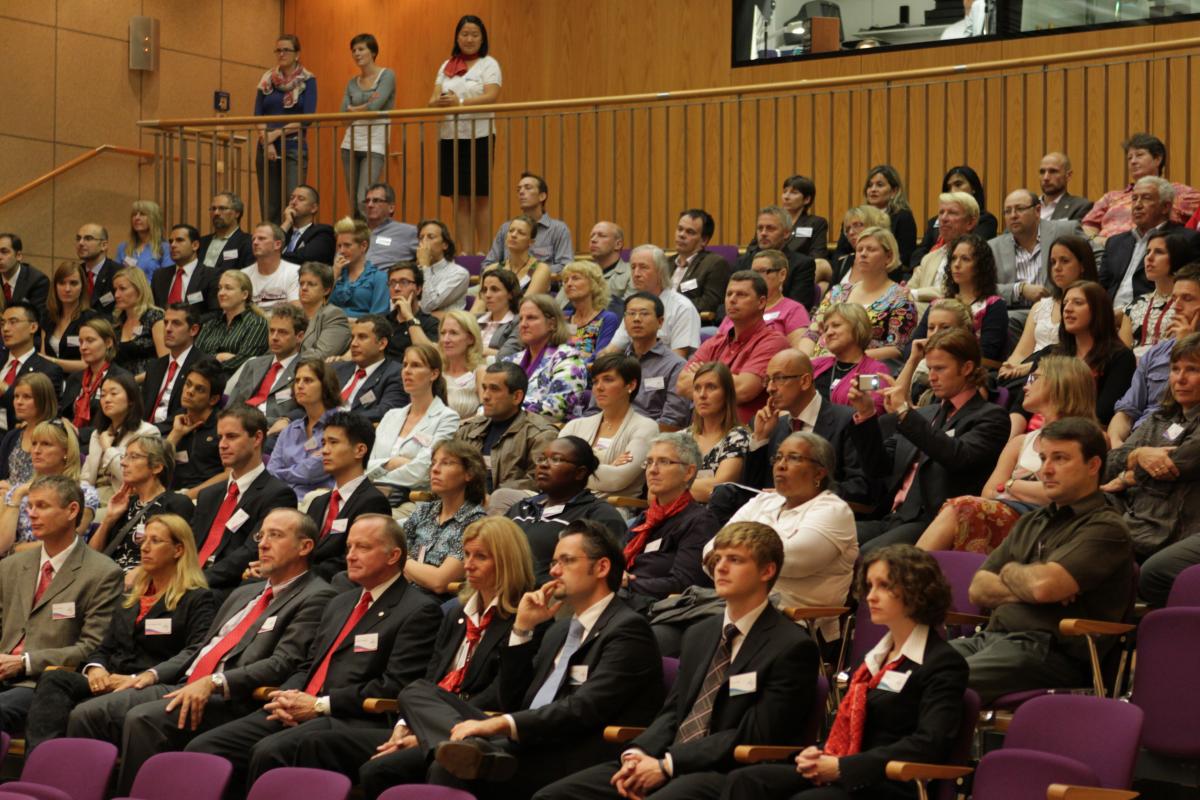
<point x="473" y="157"/>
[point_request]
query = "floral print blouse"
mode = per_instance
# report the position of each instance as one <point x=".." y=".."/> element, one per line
<point x="595" y="336"/>
<point x="134" y="354"/>
<point x="735" y="444"/>
<point x="893" y="316"/>
<point x="431" y="543"/>
<point x="558" y="383"/>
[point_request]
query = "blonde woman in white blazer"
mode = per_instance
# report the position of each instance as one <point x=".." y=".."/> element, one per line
<point x="619" y="435"/>
<point x="405" y="437"/>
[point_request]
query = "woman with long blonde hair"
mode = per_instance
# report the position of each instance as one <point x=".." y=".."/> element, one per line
<point x="145" y="249"/>
<point x="54" y="450"/>
<point x="239" y="332"/>
<point x="138" y="322"/>
<point x="461" y="344"/>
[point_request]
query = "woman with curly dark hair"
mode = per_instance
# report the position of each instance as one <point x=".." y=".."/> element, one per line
<point x="970" y="278"/>
<point x="1088" y="331"/>
<point x="904" y="702"/>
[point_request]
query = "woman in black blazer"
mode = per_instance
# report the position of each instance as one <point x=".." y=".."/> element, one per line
<point x="910" y="687"/>
<point x="97" y="348"/>
<point x="67" y="307"/>
<point x="167" y="609"/>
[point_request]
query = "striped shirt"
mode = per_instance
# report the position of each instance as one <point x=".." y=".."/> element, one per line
<point x="246" y="338"/>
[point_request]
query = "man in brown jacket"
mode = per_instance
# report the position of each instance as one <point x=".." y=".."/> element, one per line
<point x="508" y="437"/>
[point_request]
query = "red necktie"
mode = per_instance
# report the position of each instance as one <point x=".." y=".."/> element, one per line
<point x="206" y="665"/>
<point x="318" y="678"/>
<point x="176" y="294"/>
<point x="47" y="575"/>
<point x="7" y="292"/>
<point x="91" y="282"/>
<point x="11" y="375"/>
<point x="453" y="680"/>
<point x="174" y="366"/>
<point x="264" y="388"/>
<point x="348" y="392"/>
<point x="218" y="527"/>
<point x="335" y="502"/>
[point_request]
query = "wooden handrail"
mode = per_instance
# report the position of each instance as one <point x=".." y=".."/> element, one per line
<point x="82" y="158"/>
<point x="690" y="94"/>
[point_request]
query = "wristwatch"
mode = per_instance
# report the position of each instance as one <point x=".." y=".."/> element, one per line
<point x="218" y="681"/>
<point x="902" y="410"/>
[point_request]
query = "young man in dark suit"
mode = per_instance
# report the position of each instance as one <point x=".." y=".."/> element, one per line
<point x="18" y="280"/>
<point x="91" y="247"/>
<point x="746" y="676"/>
<point x="1054" y="172"/>
<point x="265" y="381"/>
<point x="773" y="231"/>
<point x="162" y="390"/>
<point x="193" y="430"/>
<point x="229" y="513"/>
<point x="259" y="637"/>
<point x="371" y="384"/>
<point x="188" y="281"/>
<point x="371" y="642"/>
<point x="698" y="275"/>
<point x="20" y="333"/>
<point x="307" y="239"/>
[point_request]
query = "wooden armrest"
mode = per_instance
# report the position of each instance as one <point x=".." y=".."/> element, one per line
<point x="1061" y="791"/>
<point x="962" y="618"/>
<point x="804" y="613"/>
<point x="59" y="666"/>
<point x="991" y="363"/>
<point x="262" y="693"/>
<point x="380" y="705"/>
<point x="474" y="280"/>
<point x="913" y="771"/>
<point x="1085" y="627"/>
<point x="708" y="316"/>
<point x="454" y="587"/>
<point x="626" y="502"/>
<point x="754" y="753"/>
<point x="619" y="734"/>
<point x="420" y="497"/>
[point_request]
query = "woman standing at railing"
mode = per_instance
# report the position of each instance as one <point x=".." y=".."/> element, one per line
<point x="364" y="147"/>
<point x="146" y="249"/>
<point x="470" y="77"/>
<point x="288" y="88"/>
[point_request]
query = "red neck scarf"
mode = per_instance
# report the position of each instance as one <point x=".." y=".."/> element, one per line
<point x="83" y="403"/>
<point x="845" y="739"/>
<point x="656" y="514"/>
<point x="147" y="601"/>
<point x="454" y="678"/>
<point x="458" y="65"/>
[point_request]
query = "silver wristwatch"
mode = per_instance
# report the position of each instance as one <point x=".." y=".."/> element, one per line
<point x="218" y="681"/>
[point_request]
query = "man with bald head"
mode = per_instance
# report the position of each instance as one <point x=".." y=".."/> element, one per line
<point x="604" y="246"/>
<point x="91" y="246"/>
<point x="1054" y="172"/>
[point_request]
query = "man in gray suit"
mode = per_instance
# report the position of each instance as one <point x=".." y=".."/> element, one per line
<point x="1022" y="255"/>
<point x="258" y="638"/>
<point x="1054" y="173"/>
<point x="265" y="382"/>
<point x="56" y="600"/>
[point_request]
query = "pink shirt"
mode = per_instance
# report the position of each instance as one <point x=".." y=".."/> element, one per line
<point x="750" y="354"/>
<point x="785" y="316"/>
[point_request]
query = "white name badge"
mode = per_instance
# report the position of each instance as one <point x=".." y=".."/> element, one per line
<point x="72" y="341"/>
<point x="3" y="418"/>
<point x="804" y="232"/>
<point x="893" y="681"/>
<point x="1173" y="432"/>
<point x="487" y="462"/>
<point x="181" y="457"/>
<point x="656" y="382"/>
<point x="237" y="520"/>
<point x="552" y="511"/>
<point x="105" y="299"/>
<point x="383" y="241"/>
<point x="746" y="683"/>
<point x="950" y="433"/>
<point x="283" y="395"/>
<point x="130" y="261"/>
<point x="229" y="255"/>
<point x="770" y="316"/>
<point x="688" y="286"/>
<point x="578" y="675"/>
<point x="158" y="627"/>
<point x="268" y="624"/>
<point x="312" y="443"/>
<point x="366" y="643"/>
<point x="338" y="525"/>
<point x="653" y="547"/>
<point x="195" y="297"/>
<point x="62" y="611"/>
<point x="138" y="330"/>
<point x="367" y="399"/>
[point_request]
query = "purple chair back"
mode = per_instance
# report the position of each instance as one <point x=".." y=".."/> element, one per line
<point x="182" y="776"/>
<point x="422" y="791"/>
<point x="816" y="717"/>
<point x="1069" y="725"/>
<point x="866" y="635"/>
<point x="91" y="763"/>
<point x="625" y="253"/>
<point x="1168" y="661"/>
<point x="1185" y="591"/>
<point x="961" y="752"/>
<point x="16" y="796"/>
<point x="287" y="783"/>
<point x="729" y="252"/>
<point x="670" y="669"/>
<point x="1016" y="774"/>
<point x="472" y="264"/>
<point x="959" y="568"/>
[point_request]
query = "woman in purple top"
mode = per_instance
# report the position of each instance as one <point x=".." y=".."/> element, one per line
<point x="558" y="377"/>
<point x="288" y="88"/>
<point x="296" y="459"/>
<point x="847" y="333"/>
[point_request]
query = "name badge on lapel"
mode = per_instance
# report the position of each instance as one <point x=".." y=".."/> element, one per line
<point x="195" y="297"/>
<point x="950" y="433"/>
<point x="72" y="341"/>
<point x="106" y="298"/>
<point x="656" y="382"/>
<point x="383" y="241"/>
<point x="746" y="683"/>
<point x="893" y="681"/>
<point x="62" y="611"/>
<point x="1173" y="432"/>
<point x="366" y="643"/>
<point x="237" y="520"/>
<point x="158" y="627"/>
<point x="804" y="233"/>
<point x="653" y="547"/>
<point x="181" y="457"/>
<point x="229" y="255"/>
<point x="338" y="525"/>
<point x="578" y="675"/>
<point x="268" y="624"/>
<point x="367" y="398"/>
<point x="688" y="286"/>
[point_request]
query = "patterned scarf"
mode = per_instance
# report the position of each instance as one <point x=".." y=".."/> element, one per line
<point x="454" y="678"/>
<point x="292" y="84"/>
<point x="845" y="739"/>
<point x="656" y="514"/>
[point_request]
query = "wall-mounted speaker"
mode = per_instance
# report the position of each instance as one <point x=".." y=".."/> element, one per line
<point x="143" y="43"/>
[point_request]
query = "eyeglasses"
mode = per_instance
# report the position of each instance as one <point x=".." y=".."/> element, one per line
<point x="660" y="463"/>
<point x="781" y="378"/>
<point x="567" y="561"/>
<point x="792" y="459"/>
<point x="554" y="460"/>
<point x="274" y="536"/>
<point x="89" y="239"/>
<point x="401" y="283"/>
<point x="281" y="50"/>
<point x="1010" y="210"/>
<point x="128" y="456"/>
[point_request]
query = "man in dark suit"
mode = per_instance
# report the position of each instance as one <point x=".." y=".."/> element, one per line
<point x="773" y="231"/>
<point x="162" y="390"/>
<point x="228" y="246"/>
<point x="259" y="637"/>
<point x="1056" y="203"/>
<point x="599" y="667"/>
<point x="91" y="246"/>
<point x="1123" y="271"/>
<point x="193" y="430"/>
<point x="18" y="280"/>
<point x="265" y="382"/>
<point x="19" y="333"/>
<point x="370" y="643"/>
<point x="229" y="513"/>
<point x="56" y="601"/>
<point x="372" y="386"/>
<point x="307" y="240"/>
<point x="699" y="275"/>
<point x="746" y="676"/>
<point x="188" y="281"/>
<point x="943" y="450"/>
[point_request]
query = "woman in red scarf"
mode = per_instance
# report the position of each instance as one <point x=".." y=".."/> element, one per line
<point x="81" y="396"/>
<point x="287" y="88"/>
<point x="904" y="701"/>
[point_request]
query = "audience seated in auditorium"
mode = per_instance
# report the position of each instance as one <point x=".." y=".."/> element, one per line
<point x="591" y="322"/>
<point x="265" y="382"/>
<point x="274" y="279"/>
<point x="907" y="593"/>
<point x="691" y="740"/>
<point x="1147" y="320"/>
<point x="260" y="635"/>
<point x="619" y="435"/>
<point x="500" y="296"/>
<point x="19" y="332"/>
<point x="404" y="442"/>
<point x="942" y="315"/>
<point x="146" y="248"/>
<point x="228" y="246"/>
<point x="328" y="331"/>
<point x="168" y="608"/>
<point x="563" y="468"/>
<point x="1058" y="387"/>
<point x="446" y="283"/>
<point x="1088" y="332"/>
<point x="958" y="215"/>
<point x="239" y="332"/>
<point x="970" y="278"/>
<point x="936" y="452"/>
<point x="137" y="321"/>
<point x="460" y="346"/>
<point x="410" y="323"/>
<point x="391" y="241"/>
<point x="1145" y="155"/>
<point x="811" y="232"/>
<point x="359" y="287"/>
<point x="121" y="419"/>
<point x="681" y="322"/>
<point x="716" y="427"/>
<point x="67" y="307"/>
<point x="372" y="384"/>
<point x="91" y="248"/>
<point x="54" y="450"/>
<point x="884" y="191"/>
<point x="552" y="239"/>
<point x="698" y="275"/>
<point x="533" y="274"/>
<point x="1055" y="202"/>
<point x="162" y="386"/>
<point x="773" y="231"/>
<point x="961" y="179"/>
<point x="434" y="530"/>
<point x="558" y="377"/>
<point x="33" y="403"/>
<point x="193" y="431"/>
<point x="1052" y="566"/>
<point x="146" y="468"/>
<point x="889" y="305"/>
<point x="604" y="246"/>
<point x="307" y="239"/>
<point x="1122" y="271"/>
<point x="296" y="456"/>
<point x="857" y="220"/>
<point x="846" y="333"/>
<point x="188" y="281"/>
<point x="782" y="314"/>
<point x="35" y="633"/>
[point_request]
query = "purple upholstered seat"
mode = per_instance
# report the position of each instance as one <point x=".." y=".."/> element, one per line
<point x="422" y="791"/>
<point x="181" y="776"/>
<point x="287" y="783"/>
